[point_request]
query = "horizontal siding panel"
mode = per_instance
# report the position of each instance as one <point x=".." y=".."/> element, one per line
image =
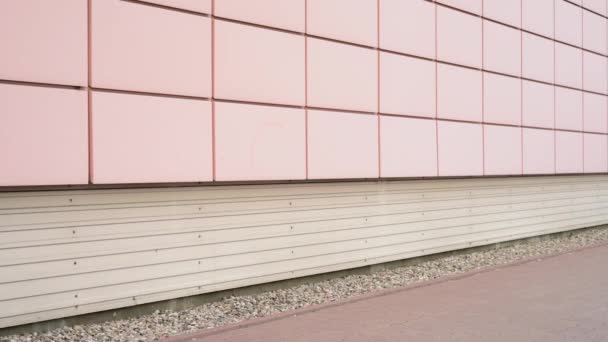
<point x="430" y="220"/>
<point x="67" y="235"/>
<point x="78" y="198"/>
<point x="172" y="283"/>
<point x="107" y="249"/>
<point x="203" y="230"/>
<point x="84" y="219"/>
<point x="372" y="237"/>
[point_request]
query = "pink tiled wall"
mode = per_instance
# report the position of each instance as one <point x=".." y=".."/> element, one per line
<point x="170" y="91"/>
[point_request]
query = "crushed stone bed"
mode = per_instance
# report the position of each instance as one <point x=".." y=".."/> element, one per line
<point x="234" y="309"/>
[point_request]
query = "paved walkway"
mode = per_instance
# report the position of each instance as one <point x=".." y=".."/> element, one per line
<point x="562" y="298"/>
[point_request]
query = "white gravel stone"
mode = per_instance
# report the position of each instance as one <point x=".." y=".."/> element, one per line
<point x="235" y="309"/>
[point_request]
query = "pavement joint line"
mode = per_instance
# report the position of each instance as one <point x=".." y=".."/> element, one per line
<point x="201" y="334"/>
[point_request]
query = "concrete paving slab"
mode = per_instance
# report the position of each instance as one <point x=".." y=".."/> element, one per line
<point x="562" y="298"/>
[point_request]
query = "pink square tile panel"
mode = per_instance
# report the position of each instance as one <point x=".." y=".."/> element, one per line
<point x="537" y="58"/>
<point x="407" y="85"/>
<point x="568" y="152"/>
<point x="458" y="37"/>
<point x="596" y="153"/>
<point x="460" y="149"/>
<point x="150" y="139"/>
<point x="502" y="150"/>
<point x="408" y="27"/>
<point x="259" y="65"/>
<point x="342" y="76"/>
<point x="459" y="93"/>
<point x="594" y="32"/>
<point x="568" y="66"/>
<point x="43" y="136"/>
<point x="538" y="151"/>
<point x="408" y="147"/>
<point x="502" y="99"/>
<point x="172" y="54"/>
<point x="501" y="48"/>
<point x="342" y="145"/>
<point x="255" y="142"/>
<point x="595" y="73"/>
<point x="568" y="23"/>
<point x="36" y="49"/>
<point x="534" y="16"/>
<point x="538" y="104"/>
<point x="568" y="109"/>
<point x="595" y="109"/>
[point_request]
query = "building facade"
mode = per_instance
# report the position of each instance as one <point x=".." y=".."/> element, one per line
<point x="156" y="149"/>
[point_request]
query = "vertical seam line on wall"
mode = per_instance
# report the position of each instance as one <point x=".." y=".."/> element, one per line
<point x="521" y="86"/>
<point x="483" y="91"/>
<point x="554" y="97"/>
<point x="583" y="86"/>
<point x="89" y="94"/>
<point x="213" y="143"/>
<point x="306" y="88"/>
<point x="436" y="96"/>
<point x="378" y="87"/>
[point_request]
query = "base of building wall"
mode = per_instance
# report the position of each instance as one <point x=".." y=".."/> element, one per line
<point x="72" y="253"/>
<point x="185" y="303"/>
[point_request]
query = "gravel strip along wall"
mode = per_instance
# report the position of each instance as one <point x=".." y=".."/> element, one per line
<point x="235" y="309"/>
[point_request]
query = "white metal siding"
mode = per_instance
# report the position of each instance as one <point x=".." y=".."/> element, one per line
<point x="65" y="253"/>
